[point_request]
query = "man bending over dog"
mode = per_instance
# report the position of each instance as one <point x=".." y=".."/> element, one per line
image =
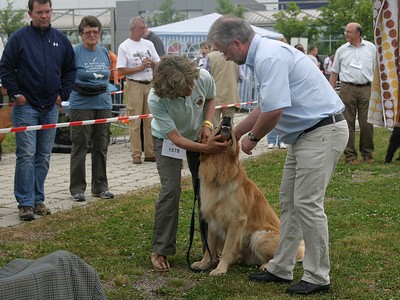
<point x="182" y="103"/>
<point x="296" y="99"/>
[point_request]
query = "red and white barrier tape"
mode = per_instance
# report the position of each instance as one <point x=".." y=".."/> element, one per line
<point x="117" y="92"/>
<point x="98" y="121"/>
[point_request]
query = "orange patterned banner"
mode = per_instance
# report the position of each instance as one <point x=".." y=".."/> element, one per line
<point x="384" y="107"/>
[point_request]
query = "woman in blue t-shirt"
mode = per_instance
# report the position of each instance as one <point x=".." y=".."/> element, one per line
<point x="90" y="100"/>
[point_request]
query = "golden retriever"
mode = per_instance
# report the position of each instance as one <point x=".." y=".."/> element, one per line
<point x="242" y="226"/>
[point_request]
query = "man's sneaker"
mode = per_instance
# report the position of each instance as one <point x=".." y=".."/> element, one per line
<point x="79" y="197"/>
<point x="104" y="195"/>
<point x="41" y="209"/>
<point x="282" y="145"/>
<point x="26" y="213"/>
<point x="270" y="146"/>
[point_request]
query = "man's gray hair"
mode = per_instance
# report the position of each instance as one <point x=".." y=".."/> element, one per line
<point x="227" y="28"/>
<point x="135" y="21"/>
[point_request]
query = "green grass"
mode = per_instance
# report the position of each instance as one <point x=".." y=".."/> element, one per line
<point x="8" y="144"/>
<point x="114" y="236"/>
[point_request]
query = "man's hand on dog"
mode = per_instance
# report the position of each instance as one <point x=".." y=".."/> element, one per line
<point x="248" y="145"/>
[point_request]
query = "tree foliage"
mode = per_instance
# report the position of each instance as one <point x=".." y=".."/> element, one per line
<point x="11" y="19"/>
<point x="338" y="13"/>
<point x="290" y="24"/>
<point x="167" y="14"/>
<point x="226" y="7"/>
<point x="330" y="24"/>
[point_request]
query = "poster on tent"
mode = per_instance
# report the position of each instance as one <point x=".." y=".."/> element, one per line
<point x="384" y="107"/>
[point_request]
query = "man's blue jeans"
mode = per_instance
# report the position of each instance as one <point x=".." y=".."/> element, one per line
<point x="272" y="137"/>
<point x="33" y="153"/>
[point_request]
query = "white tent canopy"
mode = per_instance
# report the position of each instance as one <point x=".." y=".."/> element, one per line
<point x="201" y="25"/>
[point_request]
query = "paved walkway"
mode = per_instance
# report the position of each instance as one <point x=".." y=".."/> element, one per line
<point x="123" y="177"/>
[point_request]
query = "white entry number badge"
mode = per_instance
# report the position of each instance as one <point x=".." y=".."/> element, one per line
<point x="355" y="63"/>
<point x="171" y="150"/>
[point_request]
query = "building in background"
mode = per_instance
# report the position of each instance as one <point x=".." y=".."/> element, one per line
<point x="116" y="14"/>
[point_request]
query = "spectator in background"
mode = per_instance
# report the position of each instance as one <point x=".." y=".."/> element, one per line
<point x="394" y="144"/>
<point x="38" y="70"/>
<point x="320" y="63"/>
<point x="274" y="140"/>
<point x="155" y="39"/>
<point x="115" y="80"/>
<point x="312" y="54"/>
<point x="226" y="75"/>
<point x="328" y="63"/>
<point x="299" y="47"/>
<point x="354" y="62"/>
<point x="159" y="45"/>
<point x="3" y="92"/>
<point x="205" y="48"/>
<point x="137" y="58"/>
<point x="90" y="100"/>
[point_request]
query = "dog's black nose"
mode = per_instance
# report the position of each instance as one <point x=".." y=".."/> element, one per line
<point x="226" y="121"/>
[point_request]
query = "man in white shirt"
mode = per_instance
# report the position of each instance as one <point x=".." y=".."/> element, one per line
<point x="137" y="58"/>
<point x="354" y="62"/>
<point x="328" y="63"/>
<point x="307" y="114"/>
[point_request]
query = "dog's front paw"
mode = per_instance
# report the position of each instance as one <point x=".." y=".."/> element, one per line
<point x="264" y="267"/>
<point x="200" y="265"/>
<point x="217" y="272"/>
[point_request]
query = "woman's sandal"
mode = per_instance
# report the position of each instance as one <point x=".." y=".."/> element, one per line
<point x="160" y="262"/>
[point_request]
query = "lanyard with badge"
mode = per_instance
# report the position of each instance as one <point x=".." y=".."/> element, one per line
<point x="355" y="62"/>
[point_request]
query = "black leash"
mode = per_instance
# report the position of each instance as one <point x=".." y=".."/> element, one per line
<point x="203" y="228"/>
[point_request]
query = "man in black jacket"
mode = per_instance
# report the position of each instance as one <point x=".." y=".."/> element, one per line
<point x="38" y="70"/>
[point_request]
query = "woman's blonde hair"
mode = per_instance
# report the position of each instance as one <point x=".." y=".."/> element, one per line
<point x="174" y="75"/>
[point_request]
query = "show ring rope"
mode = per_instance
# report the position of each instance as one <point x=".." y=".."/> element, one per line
<point x="99" y="121"/>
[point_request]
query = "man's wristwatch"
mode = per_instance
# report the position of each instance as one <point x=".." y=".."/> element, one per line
<point x="252" y="137"/>
<point x="14" y="97"/>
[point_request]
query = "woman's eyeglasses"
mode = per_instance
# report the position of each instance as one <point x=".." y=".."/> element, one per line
<point x="89" y="33"/>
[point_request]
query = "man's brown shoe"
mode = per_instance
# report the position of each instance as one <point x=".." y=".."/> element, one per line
<point x="160" y="262"/>
<point x="150" y="159"/>
<point x="368" y="160"/>
<point x="26" y="213"/>
<point x="353" y="161"/>
<point x="41" y="209"/>
<point x="137" y="160"/>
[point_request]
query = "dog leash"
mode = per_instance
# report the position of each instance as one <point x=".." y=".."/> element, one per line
<point x="203" y="228"/>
